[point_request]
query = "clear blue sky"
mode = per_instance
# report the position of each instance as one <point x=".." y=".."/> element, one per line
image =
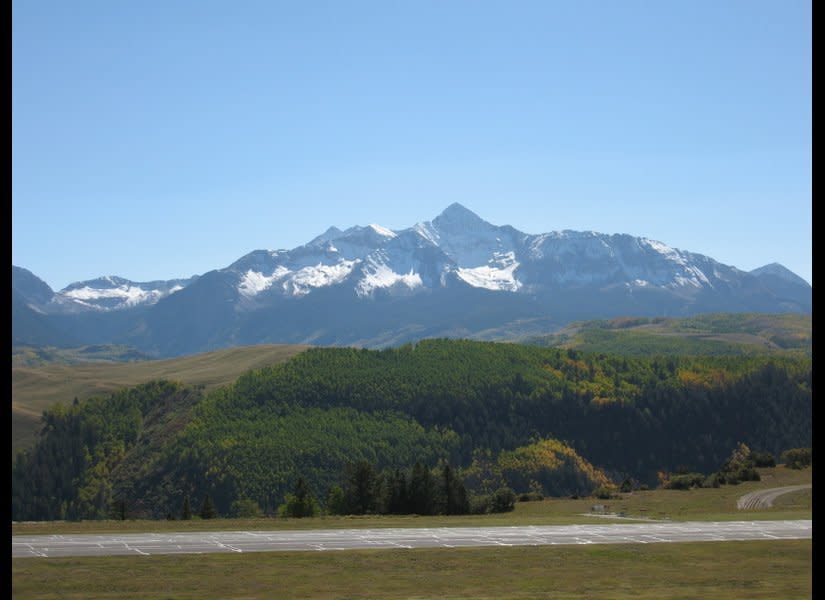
<point x="162" y="139"/>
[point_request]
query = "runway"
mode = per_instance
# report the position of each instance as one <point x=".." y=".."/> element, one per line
<point x="145" y="544"/>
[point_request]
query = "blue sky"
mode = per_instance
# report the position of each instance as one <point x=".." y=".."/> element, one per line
<point x="155" y="140"/>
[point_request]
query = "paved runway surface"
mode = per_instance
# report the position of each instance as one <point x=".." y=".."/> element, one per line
<point x="452" y="537"/>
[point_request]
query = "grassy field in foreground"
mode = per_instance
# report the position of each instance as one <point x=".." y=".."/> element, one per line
<point x="711" y="504"/>
<point x="33" y="389"/>
<point x="719" y="570"/>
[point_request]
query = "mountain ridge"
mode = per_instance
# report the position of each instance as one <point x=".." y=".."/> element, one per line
<point x="395" y="281"/>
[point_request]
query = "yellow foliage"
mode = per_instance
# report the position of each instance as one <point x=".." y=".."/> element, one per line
<point x="691" y="378"/>
<point x="707" y="379"/>
<point x="549" y="455"/>
<point x="554" y="372"/>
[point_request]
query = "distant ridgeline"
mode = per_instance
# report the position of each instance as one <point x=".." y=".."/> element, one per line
<point x="559" y="421"/>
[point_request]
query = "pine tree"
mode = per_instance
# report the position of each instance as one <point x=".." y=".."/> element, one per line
<point x="186" y="510"/>
<point x="421" y="491"/>
<point x="454" y="493"/>
<point x="336" y="501"/>
<point x="360" y="488"/>
<point x="398" y="501"/>
<point x="301" y="503"/>
<point x="208" y="509"/>
<point x="119" y="509"/>
<point x="450" y="489"/>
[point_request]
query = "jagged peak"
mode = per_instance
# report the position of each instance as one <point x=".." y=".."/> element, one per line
<point x="329" y="235"/>
<point x="458" y="210"/>
<point x="458" y="216"/>
<point x="780" y="271"/>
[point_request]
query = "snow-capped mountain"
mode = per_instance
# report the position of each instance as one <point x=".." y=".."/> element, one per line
<point x="101" y="294"/>
<point x="362" y="259"/>
<point x="455" y="275"/>
<point x="116" y="293"/>
<point x="459" y="247"/>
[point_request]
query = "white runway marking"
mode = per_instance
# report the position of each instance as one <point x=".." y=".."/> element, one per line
<point x="138" y="550"/>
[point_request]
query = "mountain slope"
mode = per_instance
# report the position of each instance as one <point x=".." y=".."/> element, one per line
<point x="30" y="288"/>
<point x="30" y="327"/>
<point x="784" y="284"/>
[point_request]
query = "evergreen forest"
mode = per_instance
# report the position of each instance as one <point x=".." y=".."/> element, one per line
<point x="468" y="419"/>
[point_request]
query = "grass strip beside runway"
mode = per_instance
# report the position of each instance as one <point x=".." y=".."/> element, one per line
<point x="763" y="569"/>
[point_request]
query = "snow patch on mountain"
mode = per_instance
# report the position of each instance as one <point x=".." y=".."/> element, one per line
<point x="666" y="251"/>
<point x="379" y="275"/>
<point x="356" y="243"/>
<point x="129" y="295"/>
<point x="465" y="238"/>
<point x="383" y="231"/>
<point x="690" y="275"/>
<point x="112" y="293"/>
<point x="491" y="278"/>
<point x="699" y="274"/>
<point x="587" y="244"/>
<point x="253" y="283"/>
<point x="499" y="275"/>
<point x="306" y="279"/>
<point x="427" y="231"/>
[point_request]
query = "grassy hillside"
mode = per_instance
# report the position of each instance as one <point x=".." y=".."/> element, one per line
<point x="736" y="334"/>
<point x="40" y="356"/>
<point x="34" y="389"/>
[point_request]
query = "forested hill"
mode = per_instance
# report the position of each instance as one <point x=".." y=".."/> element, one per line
<point x="437" y="399"/>
<point x="36" y="388"/>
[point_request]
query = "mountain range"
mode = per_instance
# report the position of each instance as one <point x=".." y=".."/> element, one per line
<point x="454" y="276"/>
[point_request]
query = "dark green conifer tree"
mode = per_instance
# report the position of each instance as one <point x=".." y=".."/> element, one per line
<point x="422" y="491"/>
<point x="301" y="503"/>
<point x="186" y="510"/>
<point x="208" y="509"/>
